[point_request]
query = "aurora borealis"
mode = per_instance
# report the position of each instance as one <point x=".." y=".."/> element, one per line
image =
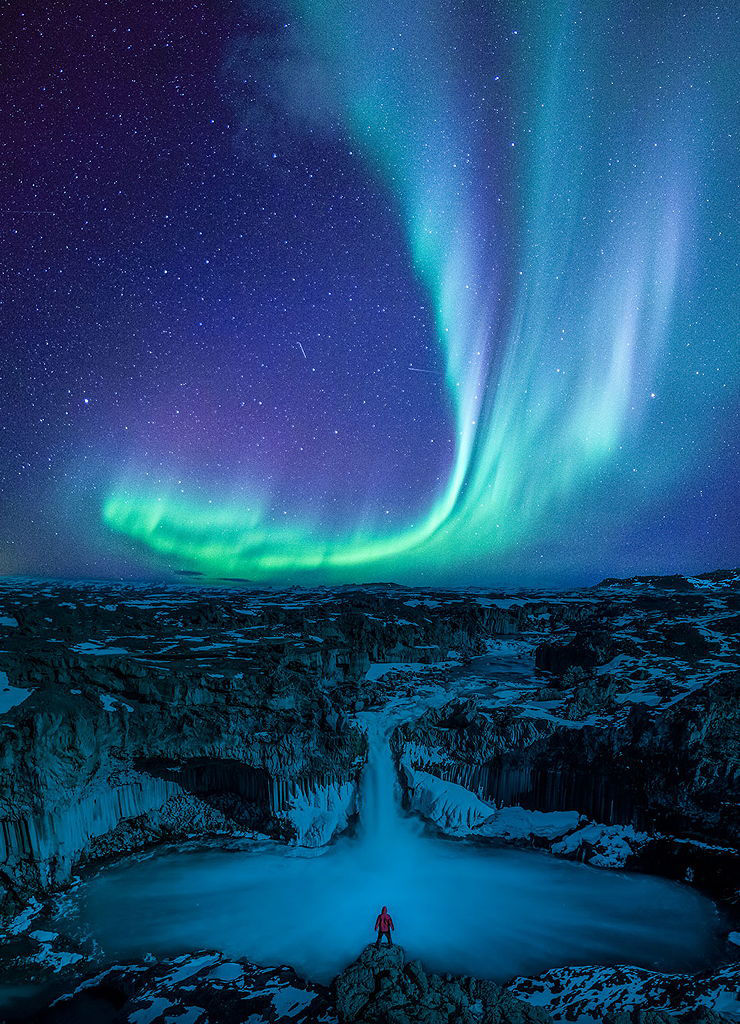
<point x="418" y="291"/>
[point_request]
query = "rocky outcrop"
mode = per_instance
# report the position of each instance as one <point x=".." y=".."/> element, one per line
<point x="219" y="758"/>
<point x="622" y="994"/>
<point x="586" y="650"/>
<point x="382" y="987"/>
<point x="657" y="783"/>
<point x="195" y="988"/>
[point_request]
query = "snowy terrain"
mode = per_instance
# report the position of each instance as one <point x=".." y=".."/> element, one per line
<point x="599" y="726"/>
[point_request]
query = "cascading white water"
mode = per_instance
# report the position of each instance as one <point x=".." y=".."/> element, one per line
<point x="458" y="906"/>
<point x="384" y="829"/>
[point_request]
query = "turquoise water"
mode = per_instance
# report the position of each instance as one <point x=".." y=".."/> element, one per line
<point x="460" y="907"/>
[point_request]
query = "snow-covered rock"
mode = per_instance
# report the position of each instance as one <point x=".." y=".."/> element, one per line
<point x="592" y="993"/>
<point x="452" y="808"/>
<point x="604" y="846"/>
<point x="459" y="812"/>
<point x="318" y="814"/>
<point x="51" y="951"/>
<point x="20" y="923"/>
<point x="192" y="989"/>
<point x="517" y="823"/>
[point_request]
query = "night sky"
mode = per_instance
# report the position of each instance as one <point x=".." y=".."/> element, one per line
<point x="426" y="292"/>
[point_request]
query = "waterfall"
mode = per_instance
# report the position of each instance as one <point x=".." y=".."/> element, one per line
<point x="384" y="826"/>
<point x="461" y="907"/>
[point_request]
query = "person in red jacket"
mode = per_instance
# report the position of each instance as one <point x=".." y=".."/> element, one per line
<point x="383" y="926"/>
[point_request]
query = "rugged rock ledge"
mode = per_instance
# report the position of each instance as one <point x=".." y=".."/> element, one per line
<point x="645" y="791"/>
<point x="194" y="988"/>
<point x="621" y="749"/>
<point x="623" y="993"/>
<point x="382" y="987"/>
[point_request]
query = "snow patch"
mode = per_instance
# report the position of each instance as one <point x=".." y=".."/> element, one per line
<point x="604" y="846"/>
<point x="228" y="972"/>
<point x="518" y="823"/>
<point x="11" y="696"/>
<point x="190" y="1015"/>
<point x="92" y="648"/>
<point x="287" y="1001"/>
<point x="111" y="703"/>
<point x="47" y="956"/>
<point x="157" y="1006"/>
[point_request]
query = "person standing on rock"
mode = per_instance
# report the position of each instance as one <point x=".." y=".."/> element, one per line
<point x="383" y="926"/>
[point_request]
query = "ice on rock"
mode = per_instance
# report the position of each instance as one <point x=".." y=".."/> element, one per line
<point x="518" y="823"/>
<point x="318" y="814"/>
<point x="453" y="808"/>
<point x="458" y="812"/>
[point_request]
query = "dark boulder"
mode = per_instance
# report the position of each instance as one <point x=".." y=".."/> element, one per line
<point x="382" y="987"/>
<point x="586" y="650"/>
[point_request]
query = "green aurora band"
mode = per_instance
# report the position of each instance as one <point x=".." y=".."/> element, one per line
<point x="546" y="373"/>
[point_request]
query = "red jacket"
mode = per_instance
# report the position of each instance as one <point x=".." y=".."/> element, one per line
<point x="384" y="922"/>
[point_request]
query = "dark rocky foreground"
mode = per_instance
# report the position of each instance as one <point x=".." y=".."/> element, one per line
<point x="136" y="715"/>
<point x="380" y="987"/>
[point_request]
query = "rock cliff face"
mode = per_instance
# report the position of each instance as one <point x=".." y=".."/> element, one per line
<point x="172" y="756"/>
<point x="600" y="725"/>
<point x="154" y="714"/>
<point x="622" y="746"/>
<point x="642" y="777"/>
